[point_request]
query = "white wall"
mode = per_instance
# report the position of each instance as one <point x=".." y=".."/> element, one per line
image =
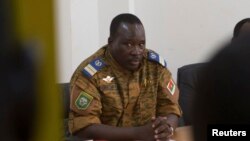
<point x="183" y="32"/>
<point x="64" y="43"/>
<point x="78" y="34"/>
<point x="188" y="31"/>
<point x="84" y="26"/>
<point x="107" y="10"/>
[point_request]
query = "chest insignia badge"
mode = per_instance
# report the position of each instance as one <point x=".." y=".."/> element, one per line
<point x="108" y="79"/>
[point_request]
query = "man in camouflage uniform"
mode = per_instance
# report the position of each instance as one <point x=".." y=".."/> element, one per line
<point x="124" y="91"/>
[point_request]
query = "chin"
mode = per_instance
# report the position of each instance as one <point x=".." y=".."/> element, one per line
<point x="134" y="68"/>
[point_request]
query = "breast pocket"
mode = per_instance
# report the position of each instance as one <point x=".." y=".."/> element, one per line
<point x="111" y="104"/>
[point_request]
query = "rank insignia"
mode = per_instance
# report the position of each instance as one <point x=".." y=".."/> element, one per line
<point x="93" y="67"/>
<point x="156" y="58"/>
<point x="83" y="101"/>
<point x="108" y="79"/>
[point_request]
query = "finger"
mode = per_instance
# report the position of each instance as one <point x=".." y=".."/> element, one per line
<point x="159" y="121"/>
<point x="164" y="120"/>
<point x="153" y="118"/>
<point x="156" y="123"/>
<point x="162" y="136"/>
<point x="162" y="128"/>
<point x="162" y="140"/>
<point x="170" y="130"/>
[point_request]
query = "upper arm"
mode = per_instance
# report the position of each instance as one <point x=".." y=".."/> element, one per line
<point x="85" y="104"/>
<point x="167" y="95"/>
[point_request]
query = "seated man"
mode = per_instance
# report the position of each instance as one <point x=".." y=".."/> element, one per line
<point x="124" y="91"/>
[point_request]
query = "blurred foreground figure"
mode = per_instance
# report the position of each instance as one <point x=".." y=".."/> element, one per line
<point x="17" y="83"/>
<point x="17" y="102"/>
<point x="29" y="103"/>
<point x="224" y="89"/>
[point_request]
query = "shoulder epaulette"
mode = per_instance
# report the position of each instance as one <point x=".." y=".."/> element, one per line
<point x="93" y="67"/>
<point x="156" y="58"/>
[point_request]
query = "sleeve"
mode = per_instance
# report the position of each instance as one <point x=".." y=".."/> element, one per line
<point x="167" y="96"/>
<point x="85" y="104"/>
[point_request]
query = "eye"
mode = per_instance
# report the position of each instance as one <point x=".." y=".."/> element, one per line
<point x="129" y="44"/>
<point x="141" y="45"/>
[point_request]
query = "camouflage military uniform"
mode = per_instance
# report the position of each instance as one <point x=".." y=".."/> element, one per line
<point x="103" y="92"/>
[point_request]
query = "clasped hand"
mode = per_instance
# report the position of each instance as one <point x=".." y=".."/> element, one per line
<point x="162" y="130"/>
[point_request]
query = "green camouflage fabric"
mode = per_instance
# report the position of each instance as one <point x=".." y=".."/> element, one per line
<point x="121" y="98"/>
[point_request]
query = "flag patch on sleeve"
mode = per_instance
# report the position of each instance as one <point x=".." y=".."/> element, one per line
<point x="171" y="87"/>
<point x="83" y="101"/>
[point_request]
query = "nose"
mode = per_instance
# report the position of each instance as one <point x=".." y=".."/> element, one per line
<point x="137" y="50"/>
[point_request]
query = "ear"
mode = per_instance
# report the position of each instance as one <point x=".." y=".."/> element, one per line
<point x="110" y="40"/>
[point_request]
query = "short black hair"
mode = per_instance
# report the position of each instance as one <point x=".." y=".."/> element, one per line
<point x="123" y="18"/>
<point x="238" y="26"/>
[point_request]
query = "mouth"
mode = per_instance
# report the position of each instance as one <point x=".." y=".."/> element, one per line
<point x="135" y="62"/>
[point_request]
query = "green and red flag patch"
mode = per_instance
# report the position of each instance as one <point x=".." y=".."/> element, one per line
<point x="171" y="86"/>
<point x="83" y="101"/>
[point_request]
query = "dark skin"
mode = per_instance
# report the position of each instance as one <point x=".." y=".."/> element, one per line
<point x="245" y="29"/>
<point x="111" y="133"/>
<point x="162" y="126"/>
<point x="128" y="46"/>
<point x="128" y="49"/>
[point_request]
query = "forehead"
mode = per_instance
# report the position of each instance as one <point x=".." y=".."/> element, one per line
<point x="130" y="30"/>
